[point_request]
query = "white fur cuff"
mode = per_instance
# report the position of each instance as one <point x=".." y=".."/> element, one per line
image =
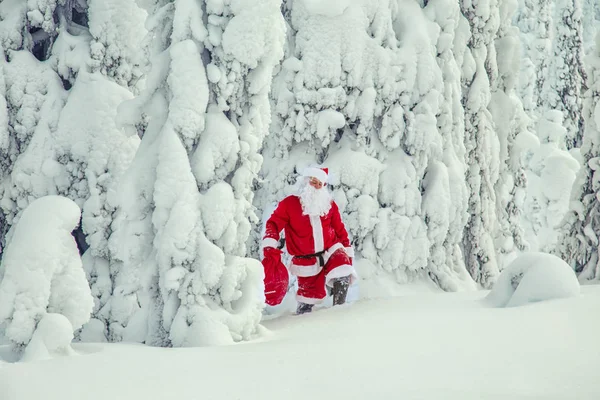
<point x="349" y="251"/>
<point x="308" y="300"/>
<point x="270" y="242"/>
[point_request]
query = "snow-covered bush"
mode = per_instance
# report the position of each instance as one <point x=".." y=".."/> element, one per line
<point x="533" y="277"/>
<point x="42" y="270"/>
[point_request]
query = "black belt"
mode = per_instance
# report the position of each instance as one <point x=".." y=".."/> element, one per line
<point x="318" y="255"/>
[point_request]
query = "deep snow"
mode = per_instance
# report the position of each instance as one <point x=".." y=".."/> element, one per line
<point x="420" y="346"/>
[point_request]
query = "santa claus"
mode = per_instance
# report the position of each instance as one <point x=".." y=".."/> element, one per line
<point x="316" y="238"/>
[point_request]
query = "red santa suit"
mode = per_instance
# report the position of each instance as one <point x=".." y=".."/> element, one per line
<point x="320" y="248"/>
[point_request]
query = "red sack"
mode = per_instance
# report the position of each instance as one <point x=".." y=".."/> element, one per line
<point x="276" y="276"/>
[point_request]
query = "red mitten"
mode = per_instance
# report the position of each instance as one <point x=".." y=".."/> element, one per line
<point x="276" y="276"/>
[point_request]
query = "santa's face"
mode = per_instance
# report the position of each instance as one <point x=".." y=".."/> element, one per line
<point x="314" y="197"/>
<point x="314" y="182"/>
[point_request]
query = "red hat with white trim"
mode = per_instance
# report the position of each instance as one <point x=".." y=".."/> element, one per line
<point x="319" y="173"/>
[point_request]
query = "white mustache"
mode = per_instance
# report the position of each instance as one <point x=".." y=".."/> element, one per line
<point x="315" y="201"/>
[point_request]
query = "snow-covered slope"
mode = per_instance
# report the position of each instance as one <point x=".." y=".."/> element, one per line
<point x="426" y="346"/>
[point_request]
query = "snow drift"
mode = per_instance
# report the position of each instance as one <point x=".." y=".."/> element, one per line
<point x="428" y="346"/>
<point x="534" y="277"/>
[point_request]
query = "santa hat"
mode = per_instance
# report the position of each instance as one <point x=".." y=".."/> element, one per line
<point x="319" y="173"/>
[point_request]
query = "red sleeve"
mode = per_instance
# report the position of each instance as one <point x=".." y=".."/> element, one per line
<point x="275" y="224"/>
<point x="338" y="225"/>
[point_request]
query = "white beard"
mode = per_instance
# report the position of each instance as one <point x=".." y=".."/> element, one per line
<point x="315" y="202"/>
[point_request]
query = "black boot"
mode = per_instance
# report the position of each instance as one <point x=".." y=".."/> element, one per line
<point x="340" y="290"/>
<point x="304" y="308"/>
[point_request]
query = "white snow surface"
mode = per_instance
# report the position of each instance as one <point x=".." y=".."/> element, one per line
<point x="422" y="346"/>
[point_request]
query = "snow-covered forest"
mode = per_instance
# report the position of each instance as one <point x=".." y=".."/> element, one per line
<point x="159" y="134"/>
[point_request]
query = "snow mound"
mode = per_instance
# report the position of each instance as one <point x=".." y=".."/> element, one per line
<point x="52" y="336"/>
<point x="534" y="277"/>
<point x="43" y="271"/>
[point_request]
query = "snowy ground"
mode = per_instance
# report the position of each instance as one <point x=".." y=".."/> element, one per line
<point x="427" y="346"/>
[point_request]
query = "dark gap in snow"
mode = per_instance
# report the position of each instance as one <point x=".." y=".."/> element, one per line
<point x="206" y="57"/>
<point x="290" y="179"/>
<point x="338" y="135"/>
<point x="42" y="43"/>
<point x="256" y="185"/>
<point x="204" y="13"/>
<point x="40" y="51"/>
<point x="79" y="237"/>
<point x="434" y="278"/>
<point x="3" y="232"/>
<point x="66" y="84"/>
<point x="80" y="17"/>
<point x="378" y="123"/>
<point x="371" y="33"/>
<point x="142" y="125"/>
<point x="322" y="156"/>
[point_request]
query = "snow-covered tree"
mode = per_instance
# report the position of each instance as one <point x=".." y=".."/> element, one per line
<point x="495" y="118"/>
<point x="5" y="160"/>
<point x="480" y="72"/>
<point x="47" y="280"/>
<point x="534" y="20"/>
<point x="510" y="121"/>
<point x="100" y="151"/>
<point x="93" y="154"/>
<point x="185" y="204"/>
<point x="445" y="229"/>
<point x="565" y="80"/>
<point x="579" y="244"/>
<point x="551" y="172"/>
<point x="57" y="77"/>
<point x="246" y="44"/>
<point x="590" y="20"/>
<point x="361" y="91"/>
<point x="117" y="30"/>
<point x="32" y="100"/>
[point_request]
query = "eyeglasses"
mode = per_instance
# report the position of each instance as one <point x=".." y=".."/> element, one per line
<point x="314" y="182"/>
